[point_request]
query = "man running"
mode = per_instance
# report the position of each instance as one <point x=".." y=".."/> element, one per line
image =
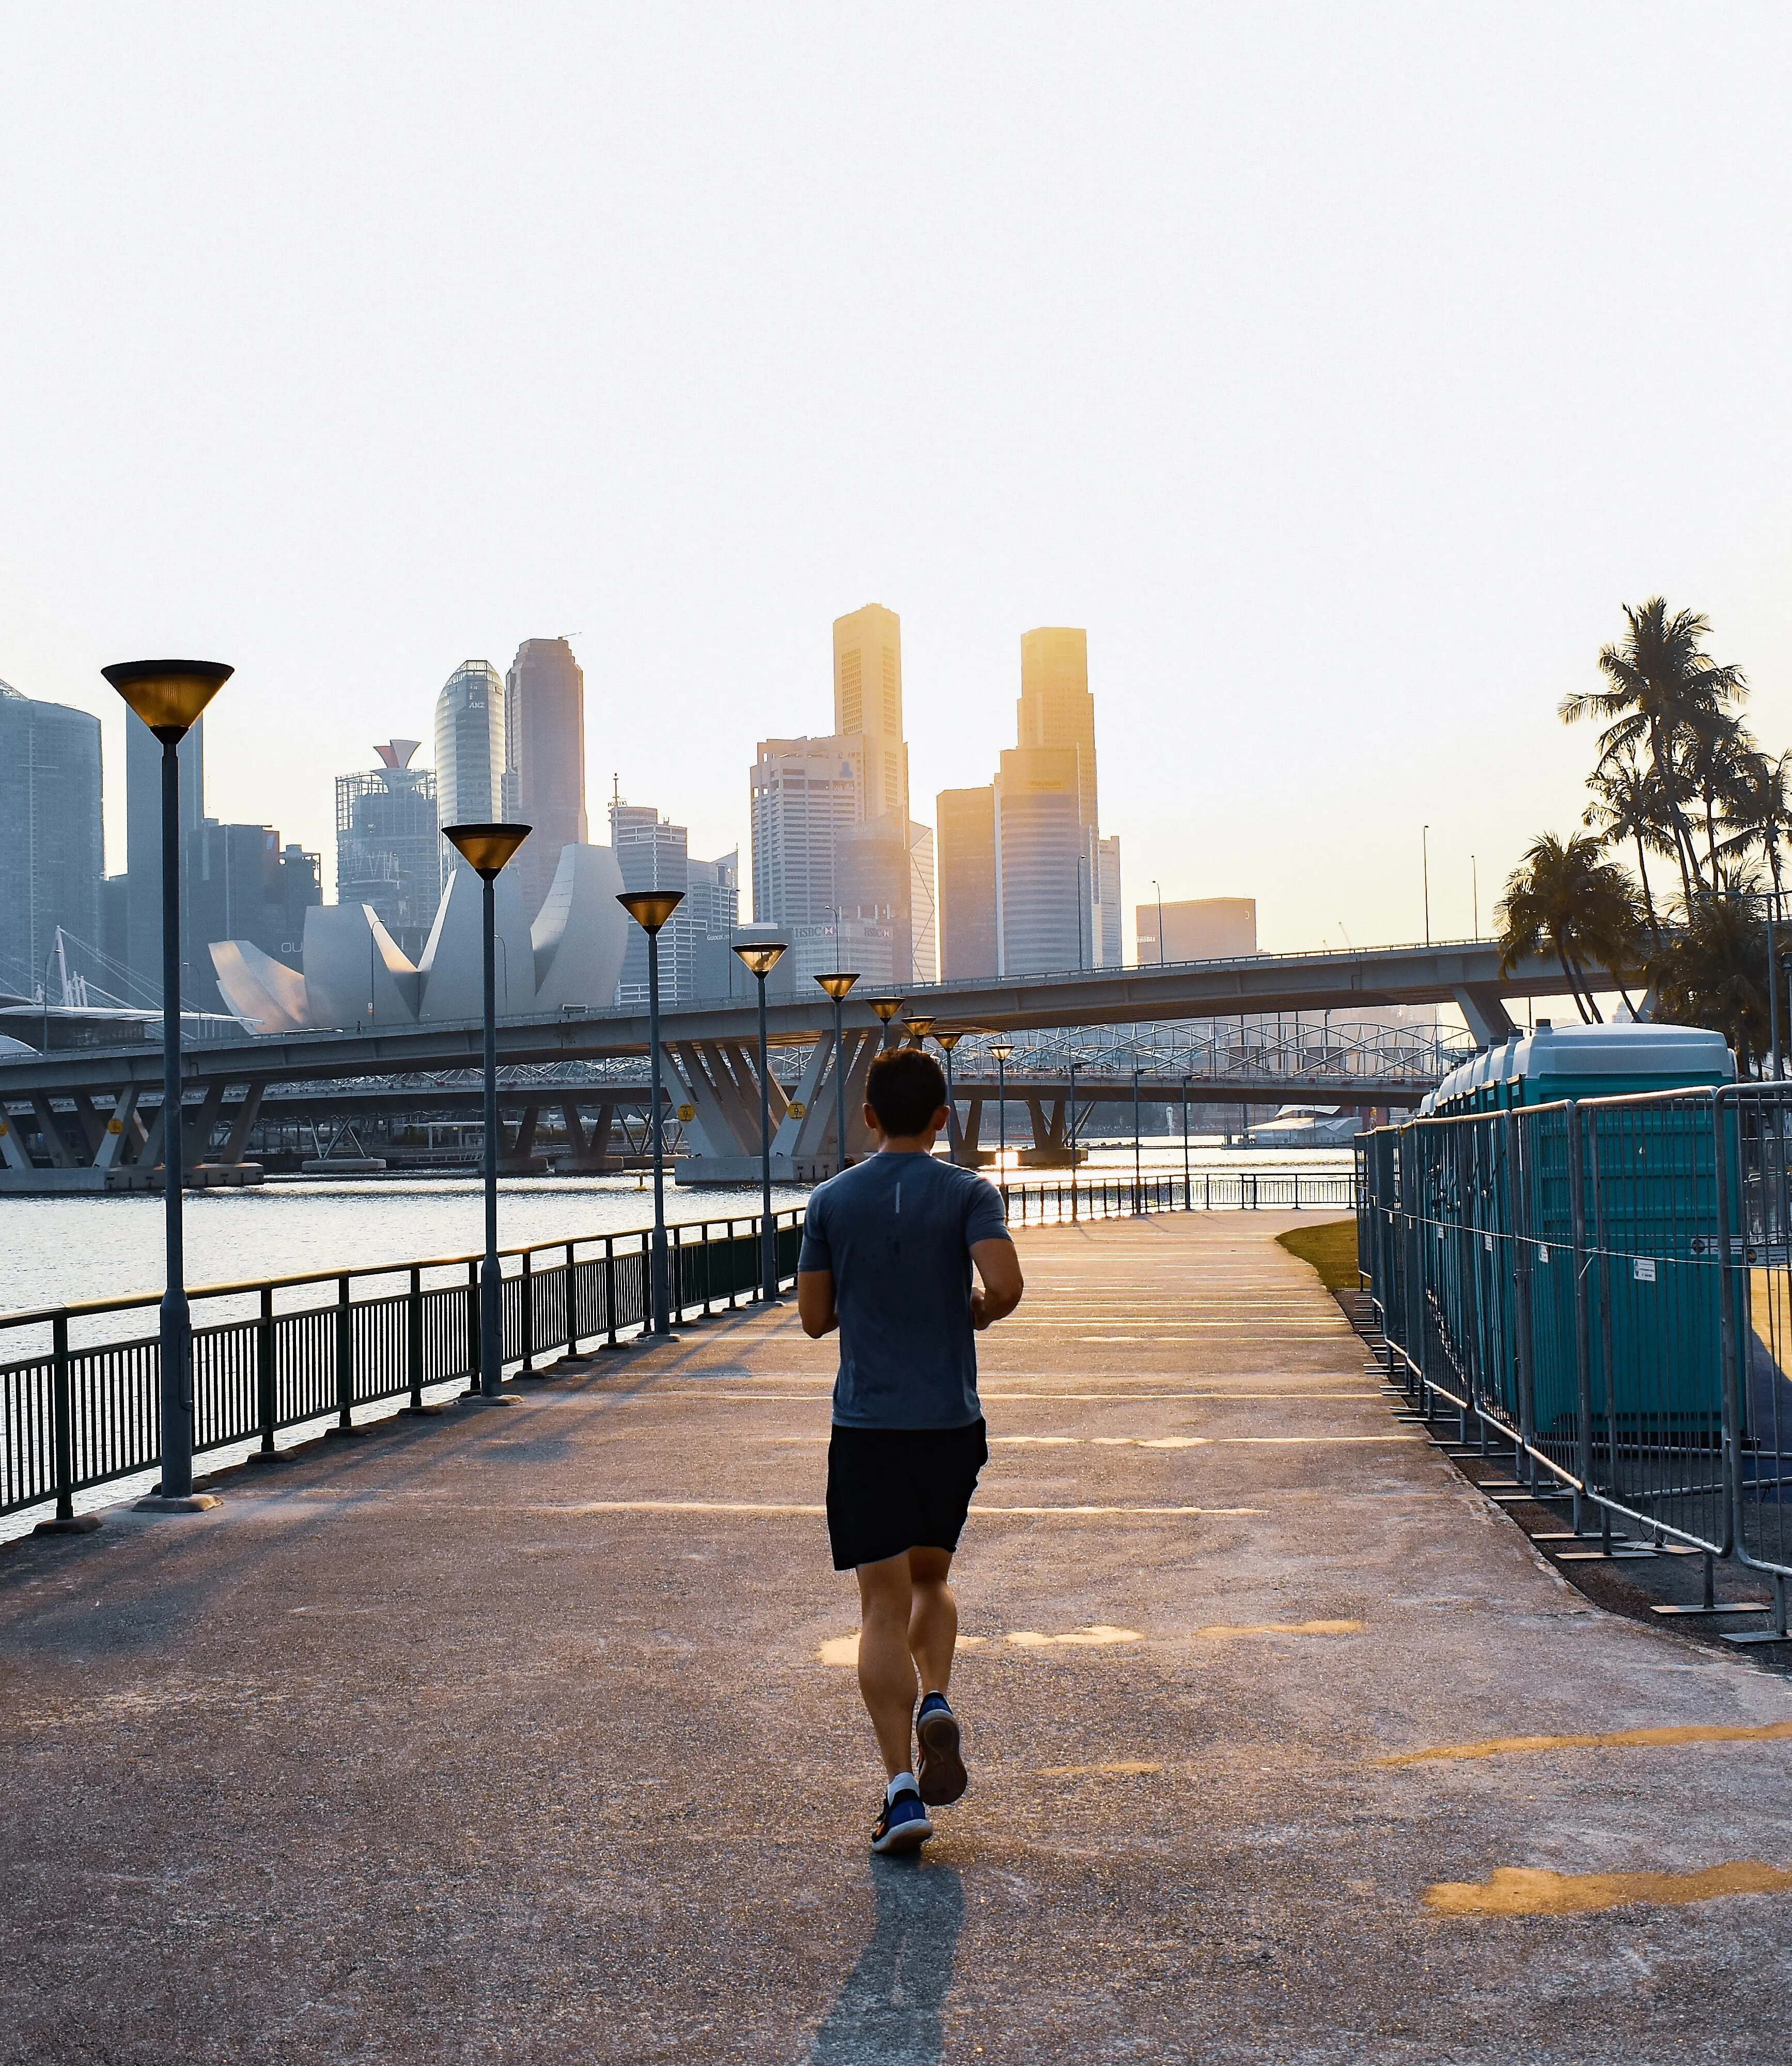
<point x="887" y="1253"/>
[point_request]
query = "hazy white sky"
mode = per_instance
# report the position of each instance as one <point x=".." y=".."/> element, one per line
<point x="1342" y="370"/>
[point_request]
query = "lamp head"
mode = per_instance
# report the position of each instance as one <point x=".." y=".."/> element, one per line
<point x="485" y="848"/>
<point x="1001" y="1049"/>
<point x="949" y="1038"/>
<point x="837" y="984"/>
<point x="650" y="908"/>
<point x="885" y="1007"/>
<point x="919" y="1029"/>
<point x="169" y="694"/>
<point x="761" y="956"/>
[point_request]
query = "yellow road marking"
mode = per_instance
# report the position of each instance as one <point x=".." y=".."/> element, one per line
<point x="1521" y="1890"/>
<point x="1221" y="1631"/>
<point x="1124" y="1767"/>
<point x="1095" y="1637"/>
<point x="1614" y="1739"/>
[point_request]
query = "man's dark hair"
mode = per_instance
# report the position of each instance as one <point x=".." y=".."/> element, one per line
<point x="904" y="1088"/>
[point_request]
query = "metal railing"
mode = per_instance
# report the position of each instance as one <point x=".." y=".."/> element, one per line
<point x="81" y="1411"/>
<point x="1047" y="1204"/>
<point x="1603" y="1283"/>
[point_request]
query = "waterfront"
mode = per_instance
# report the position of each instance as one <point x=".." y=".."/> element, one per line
<point x="68" y="1250"/>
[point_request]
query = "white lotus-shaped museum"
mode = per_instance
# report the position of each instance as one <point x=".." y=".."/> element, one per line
<point x="355" y="975"/>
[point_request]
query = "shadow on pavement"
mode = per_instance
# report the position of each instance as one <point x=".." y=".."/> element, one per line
<point x="888" y="2011"/>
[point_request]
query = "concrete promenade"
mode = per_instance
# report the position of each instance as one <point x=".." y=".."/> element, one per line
<point x="518" y="1735"/>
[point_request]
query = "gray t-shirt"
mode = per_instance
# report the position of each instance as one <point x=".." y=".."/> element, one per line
<point x="896" y="1233"/>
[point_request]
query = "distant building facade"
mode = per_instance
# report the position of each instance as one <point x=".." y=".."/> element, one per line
<point x="804" y="795"/>
<point x="470" y="757"/>
<point x="1200" y="929"/>
<point x="967" y="931"/>
<point x="387" y="850"/>
<point x="143" y="847"/>
<point x="1109" y="946"/>
<point x="868" y="705"/>
<point x="242" y="883"/>
<point x="543" y="736"/>
<point x="51" y="853"/>
<point x="1042" y="914"/>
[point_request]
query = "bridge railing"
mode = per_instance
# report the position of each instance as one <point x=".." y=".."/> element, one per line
<point x="83" y="1409"/>
<point x="80" y="1396"/>
<point x="1604" y="1285"/>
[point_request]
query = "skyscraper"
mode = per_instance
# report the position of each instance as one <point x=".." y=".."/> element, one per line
<point x="1055" y="708"/>
<point x="241" y="883"/>
<point x="654" y="854"/>
<point x="543" y="736"/>
<point x="143" y="846"/>
<point x="923" y="907"/>
<point x="1110" y="946"/>
<point x="469" y="752"/>
<point x="51" y="861"/>
<point x="1042" y="909"/>
<point x="387" y="853"/>
<point x="967" y="946"/>
<point x="805" y="793"/>
<point x="868" y="703"/>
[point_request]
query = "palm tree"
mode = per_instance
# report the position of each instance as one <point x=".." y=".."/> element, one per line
<point x="1758" y="810"/>
<point x="1564" y="899"/>
<point x="1663" y="687"/>
<point x="1709" y="971"/>
<point x="1627" y="805"/>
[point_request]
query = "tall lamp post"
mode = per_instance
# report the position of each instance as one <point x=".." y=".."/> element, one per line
<point x="168" y="696"/>
<point x="486" y="850"/>
<point x="761" y="957"/>
<point x="919" y="1031"/>
<point x="650" y="908"/>
<point x="1158" y="887"/>
<point x="886" y="1009"/>
<point x="1137" y="1176"/>
<point x="1001" y="1049"/>
<point x="1073" y="1136"/>
<point x="946" y="1041"/>
<point x="837" y="986"/>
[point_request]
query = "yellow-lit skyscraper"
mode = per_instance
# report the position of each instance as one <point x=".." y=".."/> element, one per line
<point x="1055" y="708"/>
<point x="868" y="701"/>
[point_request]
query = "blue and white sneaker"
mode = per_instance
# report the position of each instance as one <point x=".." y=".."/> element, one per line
<point x="902" y="1824"/>
<point x="942" y="1775"/>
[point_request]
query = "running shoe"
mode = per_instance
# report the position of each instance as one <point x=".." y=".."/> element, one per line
<point x="942" y="1776"/>
<point x="902" y="1826"/>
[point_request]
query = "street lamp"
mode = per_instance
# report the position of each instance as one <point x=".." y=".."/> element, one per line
<point x="650" y="908"/>
<point x="761" y="957"/>
<point x="945" y="1043"/>
<point x="1001" y="1049"/>
<point x="837" y="986"/>
<point x="1188" y="1190"/>
<point x="486" y="850"/>
<point x="919" y="1031"/>
<point x="168" y="696"/>
<point x="1158" y="887"/>
<point x="886" y="1009"/>
<point x="1136" y="1177"/>
<point x="1073" y="1136"/>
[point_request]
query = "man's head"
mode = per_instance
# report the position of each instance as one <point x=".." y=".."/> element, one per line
<point x="906" y="1090"/>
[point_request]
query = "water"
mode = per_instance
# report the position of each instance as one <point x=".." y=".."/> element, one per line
<point x="66" y="1251"/>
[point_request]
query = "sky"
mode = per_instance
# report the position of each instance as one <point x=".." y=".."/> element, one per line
<point x="1342" y="370"/>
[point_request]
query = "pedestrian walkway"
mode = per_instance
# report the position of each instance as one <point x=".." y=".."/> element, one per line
<point x="529" y="1733"/>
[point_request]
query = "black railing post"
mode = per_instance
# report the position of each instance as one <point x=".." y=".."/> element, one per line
<point x="63" y="1407"/>
<point x="264" y="1370"/>
<point x="572" y="1301"/>
<point x="472" y="1329"/>
<point x="345" y="1363"/>
<point x="610" y="1291"/>
<point x="413" y="1342"/>
<point x="527" y="1299"/>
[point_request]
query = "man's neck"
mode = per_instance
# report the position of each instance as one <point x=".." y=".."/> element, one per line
<point x="913" y="1144"/>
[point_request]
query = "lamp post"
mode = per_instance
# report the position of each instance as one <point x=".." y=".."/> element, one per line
<point x="762" y="957"/>
<point x="837" y="986"/>
<point x="1001" y="1049"/>
<point x="168" y="696"/>
<point x="1158" y="887"/>
<point x="1073" y="1068"/>
<point x="486" y="850"/>
<point x="886" y="1009"/>
<point x="945" y="1041"/>
<point x="919" y="1031"/>
<point x="1188" y="1186"/>
<point x="1424" y="869"/>
<point x="1136" y="1175"/>
<point x="650" y="908"/>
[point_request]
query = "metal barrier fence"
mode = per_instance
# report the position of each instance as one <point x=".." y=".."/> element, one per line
<point x="1603" y="1283"/>
<point x="82" y="1413"/>
<point x="1245" y="1190"/>
<point x="79" y="1413"/>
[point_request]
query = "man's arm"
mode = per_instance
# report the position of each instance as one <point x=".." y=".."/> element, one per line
<point x="815" y="1305"/>
<point x="998" y="1265"/>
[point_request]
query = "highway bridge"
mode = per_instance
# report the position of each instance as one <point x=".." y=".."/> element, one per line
<point x="93" y="1113"/>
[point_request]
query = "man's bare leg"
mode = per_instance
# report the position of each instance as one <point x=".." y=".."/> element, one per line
<point x="932" y="1632"/>
<point x="886" y="1668"/>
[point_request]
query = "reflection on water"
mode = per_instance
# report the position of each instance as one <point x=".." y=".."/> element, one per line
<point x="888" y="2011"/>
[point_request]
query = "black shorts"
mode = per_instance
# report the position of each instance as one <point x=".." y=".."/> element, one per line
<point x="895" y="1488"/>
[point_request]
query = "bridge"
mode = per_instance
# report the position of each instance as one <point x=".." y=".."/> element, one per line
<point x="95" y="1116"/>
